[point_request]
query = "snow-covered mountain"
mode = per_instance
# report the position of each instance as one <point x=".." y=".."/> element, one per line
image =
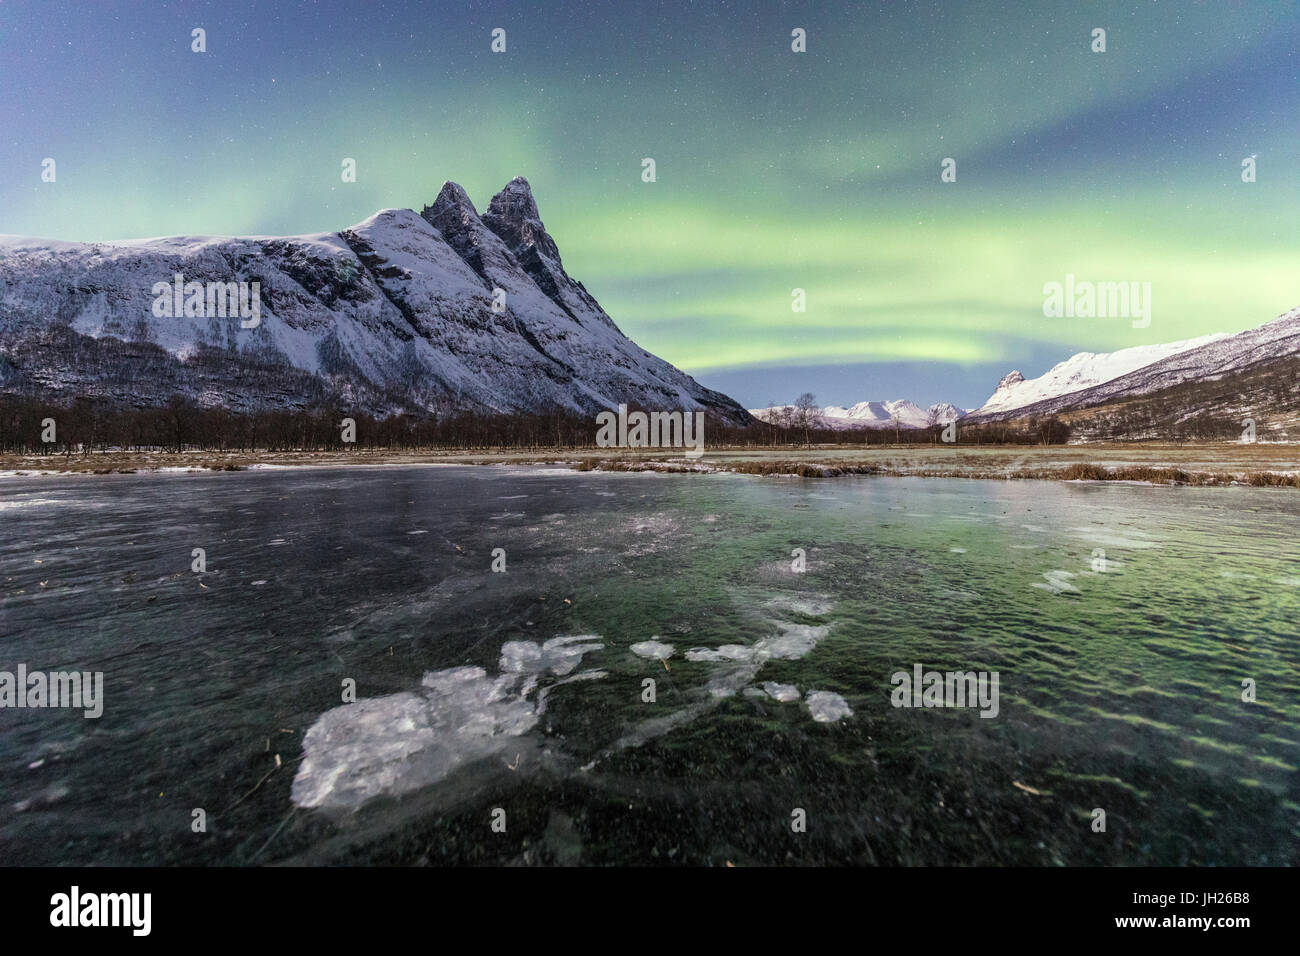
<point x="1080" y="371"/>
<point x="442" y="310"/>
<point x="866" y="414"/>
<point x="1085" y="380"/>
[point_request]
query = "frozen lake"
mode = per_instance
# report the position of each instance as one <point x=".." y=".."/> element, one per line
<point x="1122" y="621"/>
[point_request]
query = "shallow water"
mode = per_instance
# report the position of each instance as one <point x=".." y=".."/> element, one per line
<point x="1121" y="620"/>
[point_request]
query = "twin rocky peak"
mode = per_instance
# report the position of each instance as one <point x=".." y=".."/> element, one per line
<point x="513" y="218"/>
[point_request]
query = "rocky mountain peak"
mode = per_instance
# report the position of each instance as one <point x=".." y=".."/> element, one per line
<point x="512" y="215"/>
<point x="452" y="200"/>
<point x="515" y="201"/>
<point x="1011" y="378"/>
<point x="455" y="217"/>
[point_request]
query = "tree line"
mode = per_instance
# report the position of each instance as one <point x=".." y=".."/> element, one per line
<point x="83" y="426"/>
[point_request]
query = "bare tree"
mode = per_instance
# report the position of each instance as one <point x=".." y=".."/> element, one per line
<point x="932" y="423"/>
<point x="805" y="407"/>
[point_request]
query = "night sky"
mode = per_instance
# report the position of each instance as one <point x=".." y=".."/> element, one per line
<point x="775" y="169"/>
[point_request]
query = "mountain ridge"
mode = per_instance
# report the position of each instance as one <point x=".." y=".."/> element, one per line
<point x="1082" y="370"/>
<point x="437" y="312"/>
<point x="872" y="414"/>
<point x="1103" y="378"/>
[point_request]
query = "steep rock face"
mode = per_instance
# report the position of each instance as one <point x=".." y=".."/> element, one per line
<point x="510" y="249"/>
<point x="512" y="215"/>
<point x="396" y="313"/>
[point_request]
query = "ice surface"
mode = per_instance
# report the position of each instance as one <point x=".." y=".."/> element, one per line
<point x="402" y="742"/>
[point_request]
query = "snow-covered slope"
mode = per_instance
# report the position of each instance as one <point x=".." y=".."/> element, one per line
<point x="1087" y="380"/>
<point x="395" y="313"/>
<point x="867" y="414"/>
<point x="1080" y="371"/>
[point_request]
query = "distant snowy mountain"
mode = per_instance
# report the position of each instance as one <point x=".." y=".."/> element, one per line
<point x="444" y="310"/>
<point x="1086" y="380"/>
<point x="1081" y="371"/>
<point x="867" y="414"/>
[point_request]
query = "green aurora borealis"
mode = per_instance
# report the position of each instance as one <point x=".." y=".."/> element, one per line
<point x="775" y="170"/>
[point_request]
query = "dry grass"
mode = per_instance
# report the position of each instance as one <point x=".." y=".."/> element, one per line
<point x="789" y="469"/>
<point x="1078" y="471"/>
<point x="1206" y="465"/>
<point x="1271" y="479"/>
<point x="1176" y="476"/>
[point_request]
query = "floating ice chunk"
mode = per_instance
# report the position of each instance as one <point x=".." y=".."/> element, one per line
<point x="782" y="692"/>
<point x="1103" y="537"/>
<point x="794" y="642"/>
<point x="827" y="707"/>
<point x="583" y="675"/>
<point x="814" y="605"/>
<point x="403" y="742"/>
<point x="559" y="655"/>
<point x="357" y="751"/>
<point x="652" y="650"/>
<point x="1058" y="583"/>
